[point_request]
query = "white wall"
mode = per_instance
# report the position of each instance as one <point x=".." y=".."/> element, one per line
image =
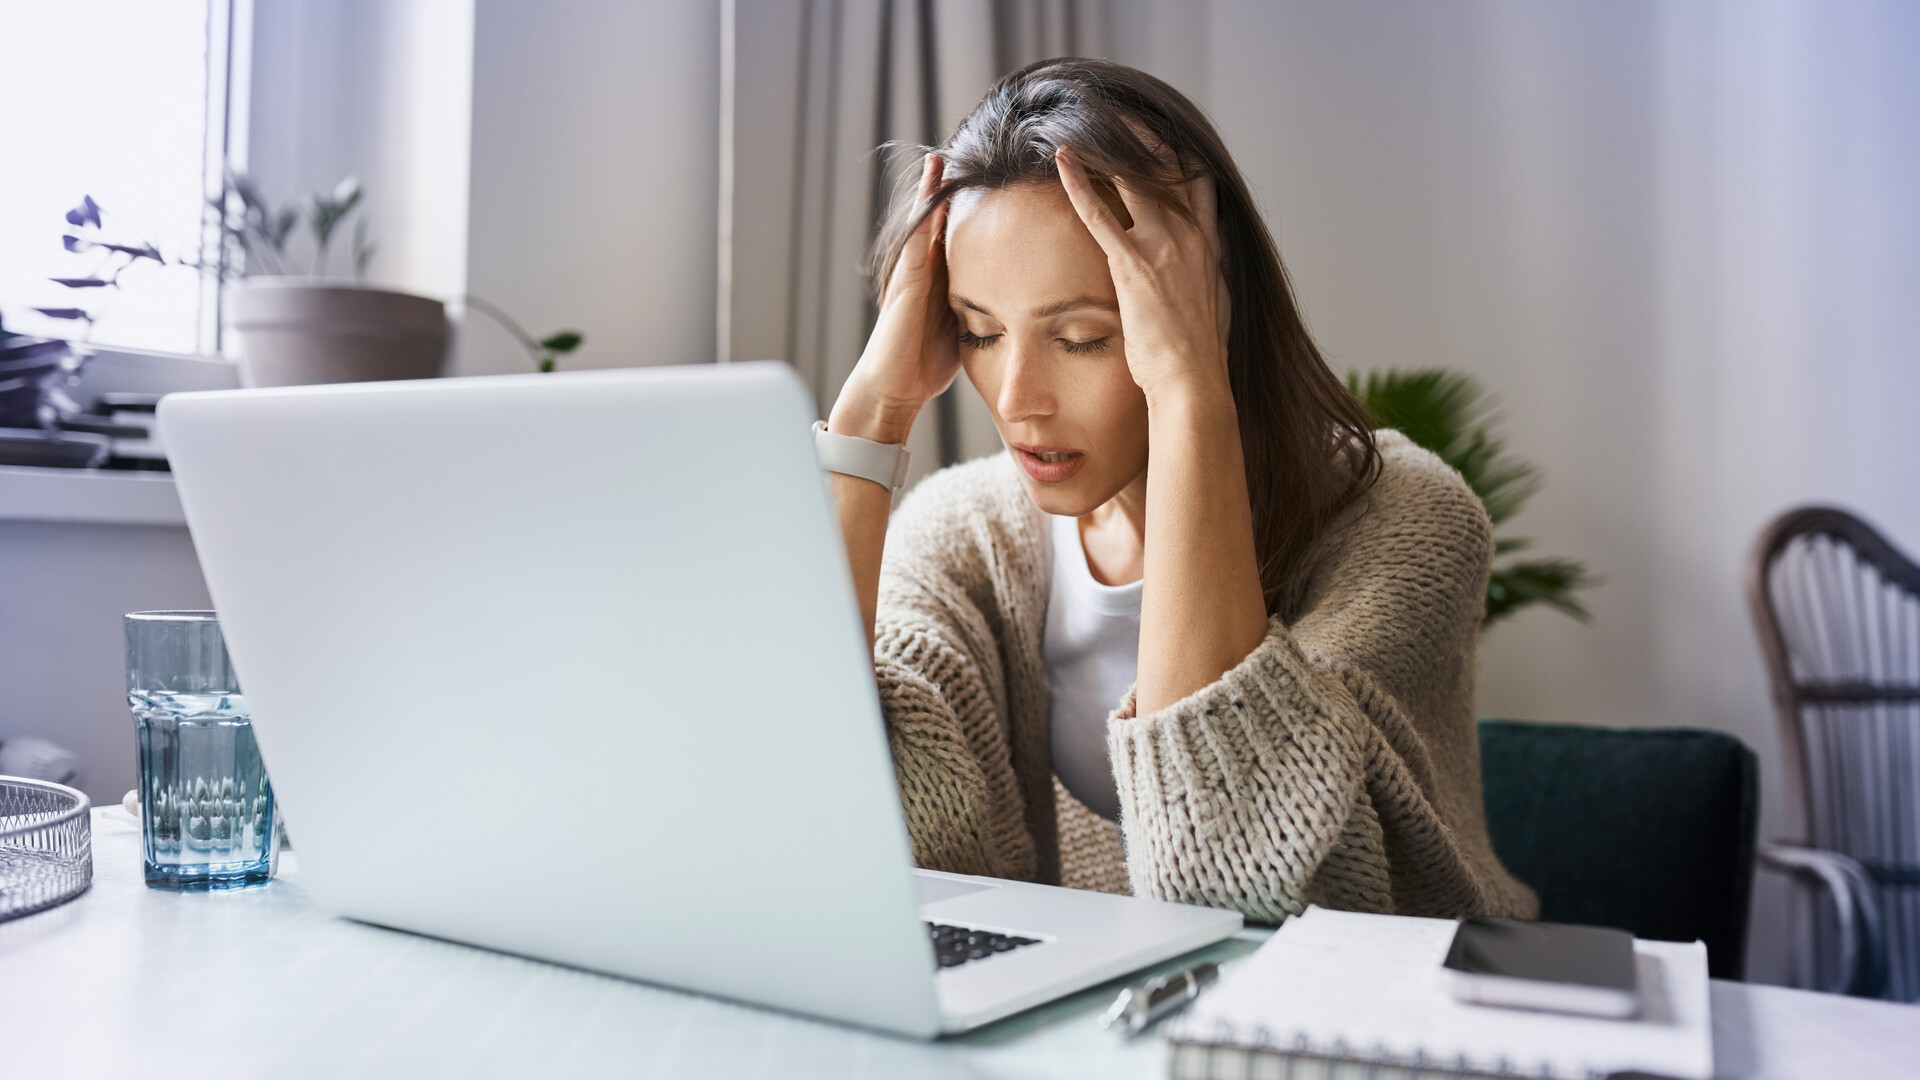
<point x="1681" y="243"/>
<point x="595" y="178"/>
<point x="559" y="159"/>
<point x="378" y="89"/>
<point x="63" y="670"/>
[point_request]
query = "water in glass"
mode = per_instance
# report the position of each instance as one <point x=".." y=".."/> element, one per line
<point x="206" y="805"/>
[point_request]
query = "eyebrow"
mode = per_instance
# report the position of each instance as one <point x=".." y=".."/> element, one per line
<point x="1058" y="307"/>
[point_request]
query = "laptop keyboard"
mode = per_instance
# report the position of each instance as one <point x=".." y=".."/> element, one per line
<point x="955" y="945"/>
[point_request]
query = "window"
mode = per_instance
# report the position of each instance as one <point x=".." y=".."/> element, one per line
<point x="125" y="101"/>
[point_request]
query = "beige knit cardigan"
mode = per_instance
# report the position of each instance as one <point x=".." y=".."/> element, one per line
<point x="1338" y="764"/>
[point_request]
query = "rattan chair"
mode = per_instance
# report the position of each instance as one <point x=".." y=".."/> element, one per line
<point x="1838" y="612"/>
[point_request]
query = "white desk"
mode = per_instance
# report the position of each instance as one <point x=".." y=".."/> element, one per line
<point x="132" y="982"/>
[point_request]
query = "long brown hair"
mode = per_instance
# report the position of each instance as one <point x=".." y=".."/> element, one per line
<point x="1309" y="450"/>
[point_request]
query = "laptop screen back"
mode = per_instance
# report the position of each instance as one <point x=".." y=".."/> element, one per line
<point x="567" y="666"/>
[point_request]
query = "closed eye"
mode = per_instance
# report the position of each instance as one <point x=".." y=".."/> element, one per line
<point x="1096" y="345"/>
<point x="971" y="340"/>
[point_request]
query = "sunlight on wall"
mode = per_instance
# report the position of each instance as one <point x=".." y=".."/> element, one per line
<point x="104" y="98"/>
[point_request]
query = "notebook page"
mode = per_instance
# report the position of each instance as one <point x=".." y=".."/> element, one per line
<point x="1346" y="984"/>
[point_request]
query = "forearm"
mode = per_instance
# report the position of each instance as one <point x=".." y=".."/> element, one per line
<point x="1202" y="610"/>
<point x="862" y="504"/>
<point x="1244" y="795"/>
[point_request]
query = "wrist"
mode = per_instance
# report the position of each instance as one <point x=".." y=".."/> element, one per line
<point x="868" y="416"/>
<point x="1200" y="399"/>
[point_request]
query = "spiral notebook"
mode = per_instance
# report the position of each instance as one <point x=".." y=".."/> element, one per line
<point x="1338" y="993"/>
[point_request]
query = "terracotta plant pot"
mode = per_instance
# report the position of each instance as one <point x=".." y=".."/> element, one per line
<point x="290" y="332"/>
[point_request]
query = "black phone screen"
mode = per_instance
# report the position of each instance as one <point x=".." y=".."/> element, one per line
<point x="1545" y="952"/>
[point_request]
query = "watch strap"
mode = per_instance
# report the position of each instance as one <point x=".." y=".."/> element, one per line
<point x="883" y="463"/>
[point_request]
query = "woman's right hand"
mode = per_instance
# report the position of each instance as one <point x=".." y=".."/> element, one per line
<point x="914" y="352"/>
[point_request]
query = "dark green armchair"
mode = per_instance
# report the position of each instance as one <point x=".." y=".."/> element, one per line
<point x="1647" y="829"/>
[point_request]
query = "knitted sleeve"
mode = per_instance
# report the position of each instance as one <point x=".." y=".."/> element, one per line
<point x="1307" y="773"/>
<point x="947" y="750"/>
<point x="940" y="665"/>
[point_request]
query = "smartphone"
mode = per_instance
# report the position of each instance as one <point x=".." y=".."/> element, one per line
<point x="1551" y="967"/>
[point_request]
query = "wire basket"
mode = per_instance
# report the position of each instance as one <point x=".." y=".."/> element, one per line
<point x="46" y="845"/>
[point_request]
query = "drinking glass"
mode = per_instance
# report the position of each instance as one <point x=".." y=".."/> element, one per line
<point x="206" y="808"/>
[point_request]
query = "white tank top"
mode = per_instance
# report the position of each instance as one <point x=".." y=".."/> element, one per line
<point x="1091" y="649"/>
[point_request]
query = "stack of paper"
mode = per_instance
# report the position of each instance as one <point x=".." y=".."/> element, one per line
<point x="1337" y="988"/>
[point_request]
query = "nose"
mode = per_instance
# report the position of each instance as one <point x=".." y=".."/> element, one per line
<point x="1026" y="387"/>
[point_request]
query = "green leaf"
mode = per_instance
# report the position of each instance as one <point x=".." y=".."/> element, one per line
<point x="362" y="250"/>
<point x="1450" y="414"/>
<point x="277" y="232"/>
<point x="326" y="212"/>
<point x="563" y="342"/>
<point x="1543" y="581"/>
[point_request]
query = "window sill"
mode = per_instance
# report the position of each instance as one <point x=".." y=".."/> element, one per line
<point x="89" y="496"/>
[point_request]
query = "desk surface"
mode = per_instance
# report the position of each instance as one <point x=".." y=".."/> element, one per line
<point x="128" y="981"/>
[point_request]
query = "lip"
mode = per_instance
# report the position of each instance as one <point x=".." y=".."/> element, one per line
<point x="1048" y="472"/>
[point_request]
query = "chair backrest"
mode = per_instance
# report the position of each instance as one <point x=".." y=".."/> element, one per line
<point x="1837" y="608"/>
<point x="1646" y="829"/>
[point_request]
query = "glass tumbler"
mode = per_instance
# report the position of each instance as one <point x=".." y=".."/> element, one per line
<point x="206" y="808"/>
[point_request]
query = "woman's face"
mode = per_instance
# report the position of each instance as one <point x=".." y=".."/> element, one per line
<point x="1040" y="338"/>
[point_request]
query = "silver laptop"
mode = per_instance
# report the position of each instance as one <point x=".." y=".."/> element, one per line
<point x="570" y="666"/>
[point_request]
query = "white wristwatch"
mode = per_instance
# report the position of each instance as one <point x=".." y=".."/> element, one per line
<point x="883" y="463"/>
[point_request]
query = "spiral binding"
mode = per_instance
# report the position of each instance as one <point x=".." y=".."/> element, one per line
<point x="1224" y="1055"/>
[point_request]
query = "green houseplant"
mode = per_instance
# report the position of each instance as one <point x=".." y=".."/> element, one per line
<point x="288" y="319"/>
<point x="291" y="323"/>
<point x="1450" y="414"/>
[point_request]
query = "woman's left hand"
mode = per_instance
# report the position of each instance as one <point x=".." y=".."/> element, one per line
<point x="1202" y="609"/>
<point x="1174" y="307"/>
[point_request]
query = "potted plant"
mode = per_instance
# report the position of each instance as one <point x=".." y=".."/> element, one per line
<point x="288" y="321"/>
<point x="1448" y="413"/>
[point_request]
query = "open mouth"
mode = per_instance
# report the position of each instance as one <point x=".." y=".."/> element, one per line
<point x="1047" y="464"/>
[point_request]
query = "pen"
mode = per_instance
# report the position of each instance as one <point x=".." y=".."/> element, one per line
<point x="1138" y="1006"/>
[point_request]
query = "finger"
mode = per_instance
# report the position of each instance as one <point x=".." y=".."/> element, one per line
<point x="1163" y="153"/>
<point x="1184" y="192"/>
<point x="1149" y="217"/>
<point x="930" y="171"/>
<point x="1094" y="212"/>
<point x="914" y="253"/>
<point x="939" y="314"/>
<point x="1206" y="213"/>
<point x="925" y="234"/>
<point x="936" y="249"/>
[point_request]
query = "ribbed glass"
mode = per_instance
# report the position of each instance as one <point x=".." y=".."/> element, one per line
<point x="206" y="806"/>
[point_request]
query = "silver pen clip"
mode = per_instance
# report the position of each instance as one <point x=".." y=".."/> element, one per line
<point x="1138" y="1007"/>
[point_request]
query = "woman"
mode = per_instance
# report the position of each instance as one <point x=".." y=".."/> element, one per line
<point x="1200" y="634"/>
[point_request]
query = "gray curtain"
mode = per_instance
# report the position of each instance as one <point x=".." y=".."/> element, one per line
<point x="810" y="89"/>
